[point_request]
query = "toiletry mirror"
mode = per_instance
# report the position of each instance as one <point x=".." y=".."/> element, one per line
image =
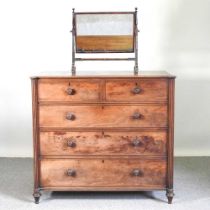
<point x="104" y="32"/>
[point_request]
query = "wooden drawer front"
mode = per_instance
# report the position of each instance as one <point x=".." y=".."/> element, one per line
<point x="103" y="143"/>
<point x="103" y="116"/>
<point x="68" y="90"/>
<point x="140" y="91"/>
<point x="102" y="172"/>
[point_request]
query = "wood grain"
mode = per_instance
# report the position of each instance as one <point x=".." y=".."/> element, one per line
<point x="150" y="90"/>
<point x="105" y="172"/>
<point x="104" y="43"/>
<point x="103" y="116"/>
<point x="56" y="90"/>
<point x="103" y="143"/>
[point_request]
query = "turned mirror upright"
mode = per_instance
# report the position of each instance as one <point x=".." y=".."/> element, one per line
<point x="104" y="32"/>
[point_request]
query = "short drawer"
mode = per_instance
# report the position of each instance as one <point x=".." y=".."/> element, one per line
<point x="102" y="116"/>
<point x="144" y="90"/>
<point x="68" y="90"/>
<point x="103" y="143"/>
<point x="103" y="172"/>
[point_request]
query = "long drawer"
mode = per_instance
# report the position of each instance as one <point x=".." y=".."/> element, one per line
<point x="103" y="172"/>
<point x="102" y="116"/>
<point x="103" y="143"/>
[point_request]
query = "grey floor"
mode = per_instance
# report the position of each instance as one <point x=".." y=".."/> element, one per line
<point x="192" y="189"/>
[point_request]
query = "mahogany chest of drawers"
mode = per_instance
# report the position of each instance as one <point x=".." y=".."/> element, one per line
<point x="103" y="133"/>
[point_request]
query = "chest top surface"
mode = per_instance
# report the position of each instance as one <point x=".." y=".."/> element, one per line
<point x="104" y="74"/>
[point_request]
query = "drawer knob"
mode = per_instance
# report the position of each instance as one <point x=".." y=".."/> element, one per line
<point x="71" y="143"/>
<point x="136" y="172"/>
<point x="70" y="91"/>
<point x="71" y="172"/>
<point x="136" y="142"/>
<point x="136" y="116"/>
<point x="70" y="116"/>
<point x="136" y="90"/>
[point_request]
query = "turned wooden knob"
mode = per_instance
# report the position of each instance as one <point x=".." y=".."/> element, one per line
<point x="136" y="142"/>
<point x="70" y="91"/>
<point x="71" y="143"/>
<point x="136" y="90"/>
<point x="71" y="172"/>
<point x="136" y="116"/>
<point x="136" y="172"/>
<point x="70" y="116"/>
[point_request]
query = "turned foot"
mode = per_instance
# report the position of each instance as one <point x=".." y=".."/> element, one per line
<point x="170" y="195"/>
<point x="36" y="197"/>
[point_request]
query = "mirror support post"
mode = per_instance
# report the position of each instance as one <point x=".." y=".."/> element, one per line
<point x="136" y="68"/>
<point x="73" y="68"/>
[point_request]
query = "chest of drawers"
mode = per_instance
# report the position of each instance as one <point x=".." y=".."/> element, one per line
<point x="103" y="133"/>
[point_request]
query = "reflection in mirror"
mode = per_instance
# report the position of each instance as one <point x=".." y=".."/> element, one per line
<point x="104" y="32"/>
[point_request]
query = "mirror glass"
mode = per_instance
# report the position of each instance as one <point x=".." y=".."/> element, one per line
<point x="104" y="32"/>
